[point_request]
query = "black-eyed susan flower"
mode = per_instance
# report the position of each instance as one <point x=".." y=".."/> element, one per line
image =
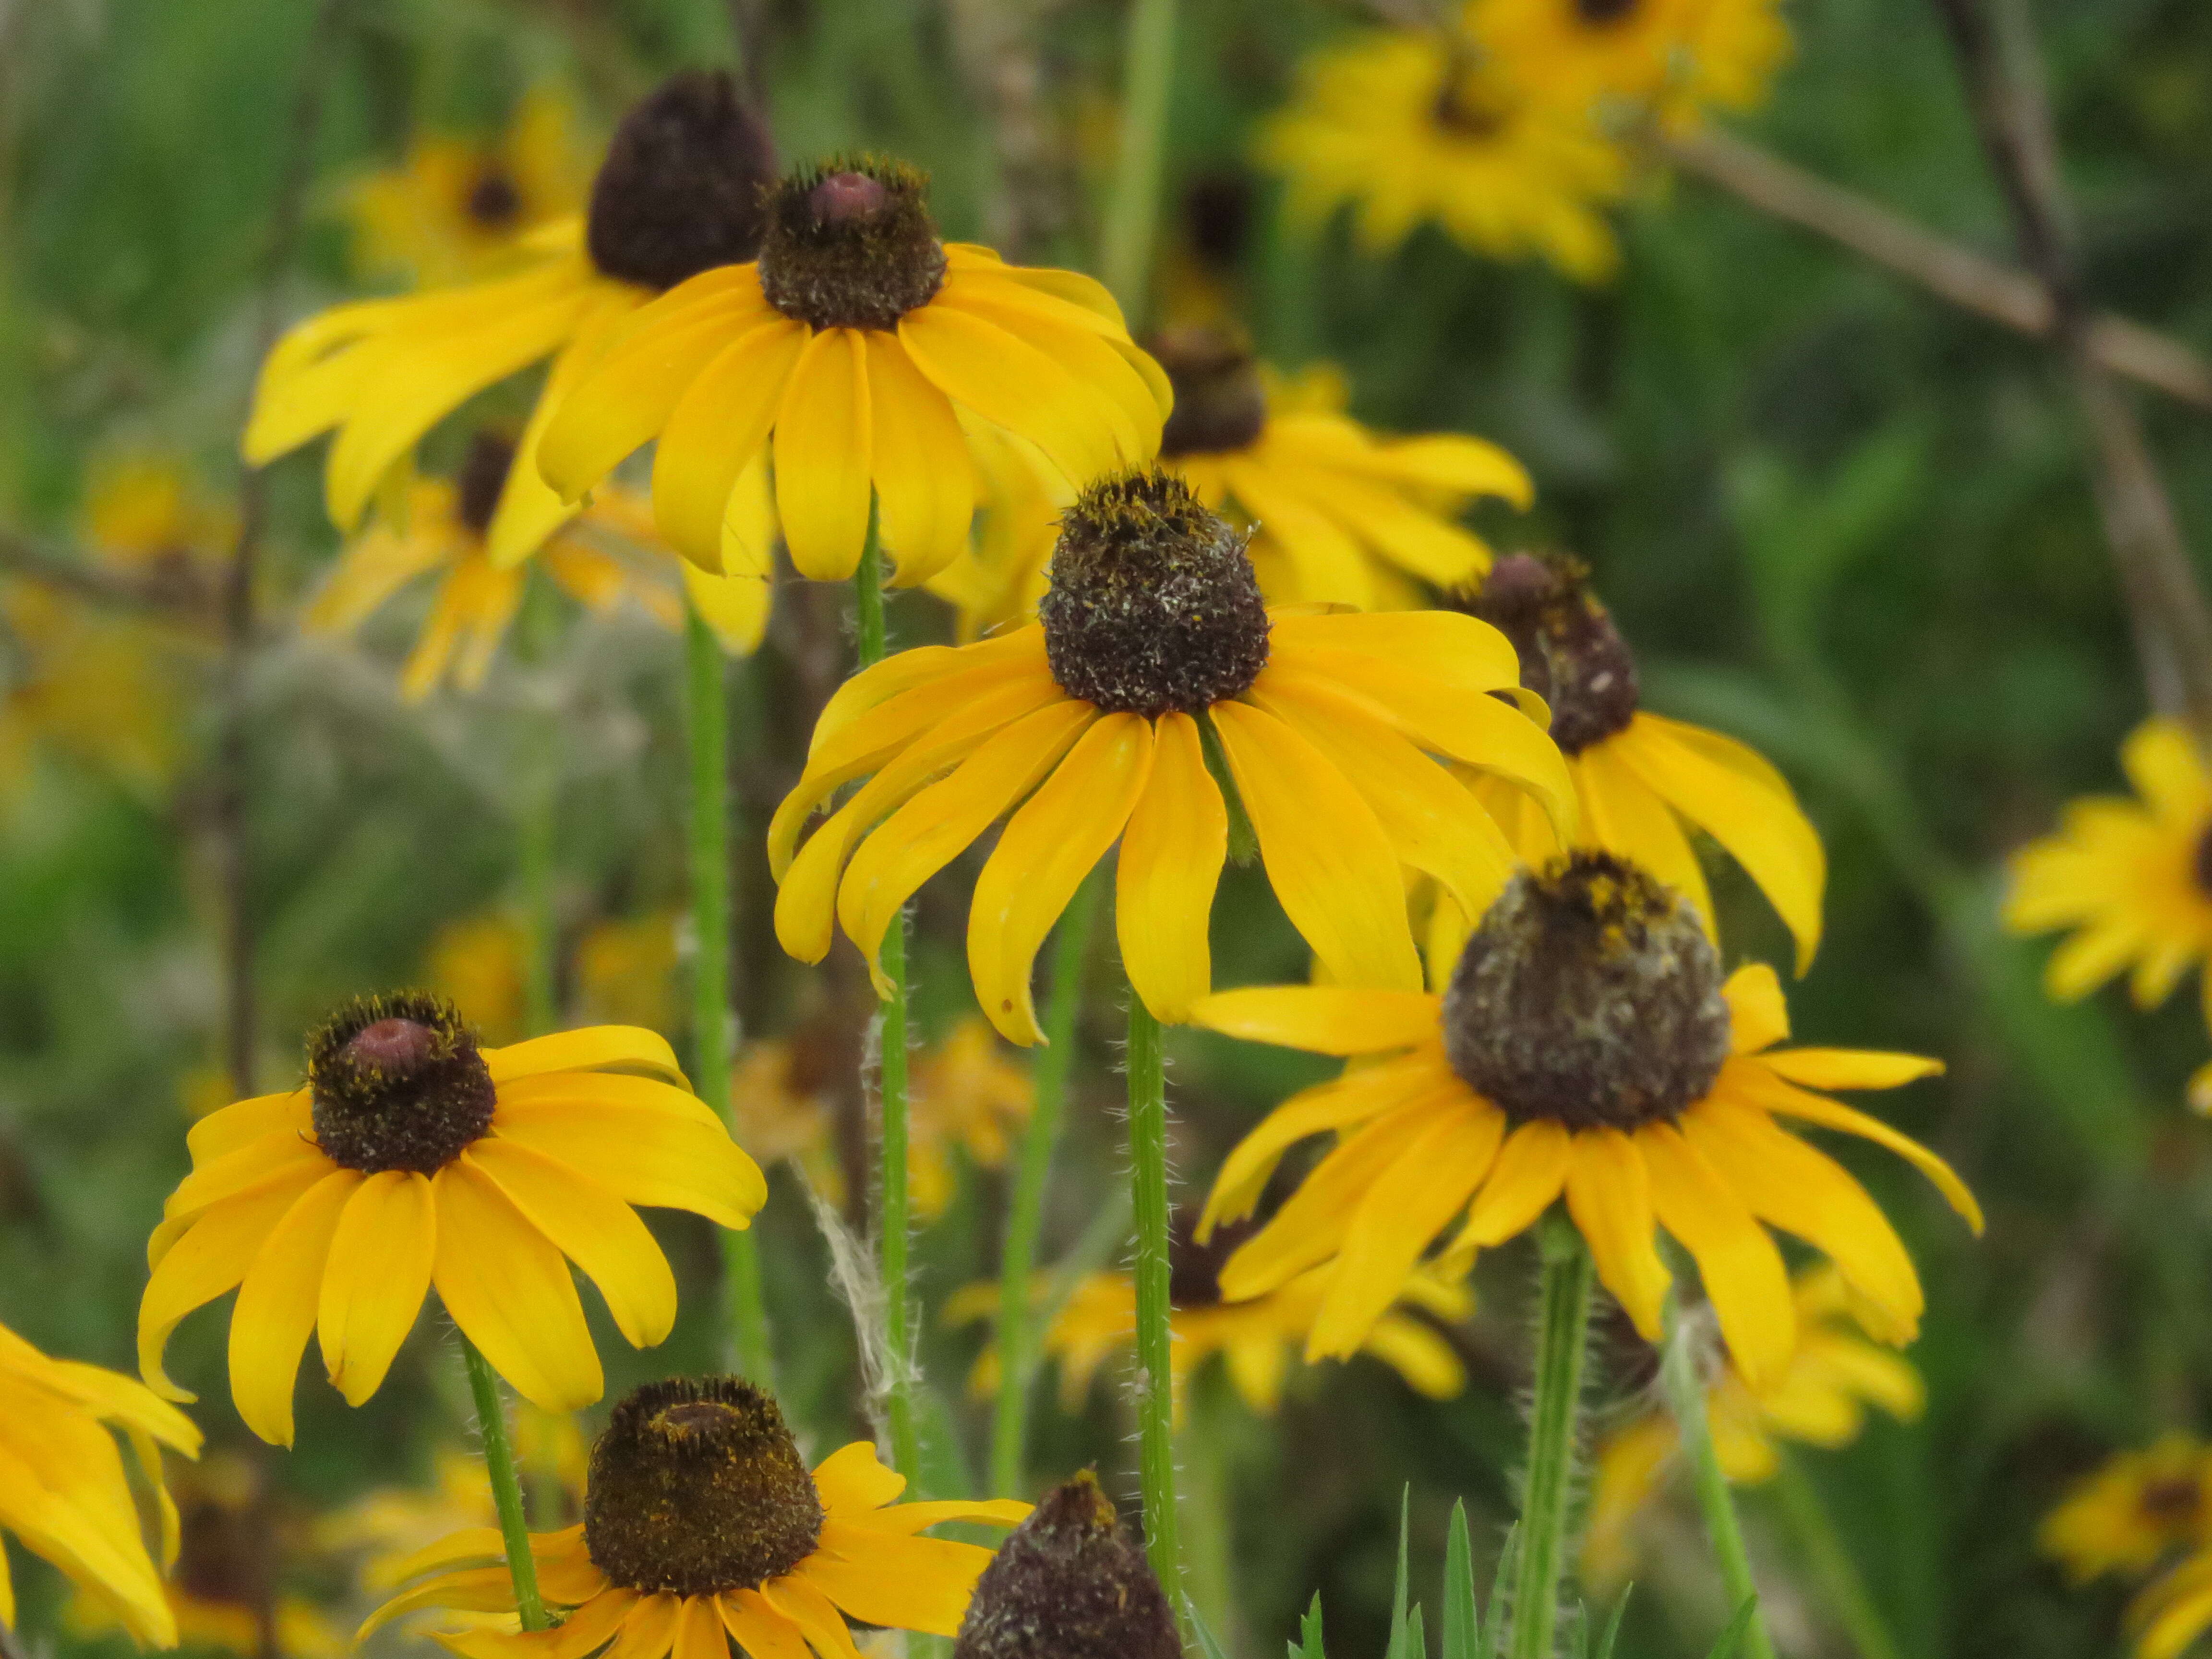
<point x="1067" y="1584"/>
<point x="64" y="1490"/>
<point x="854" y="353"/>
<point x="1413" y="127"/>
<point x="411" y="1158"/>
<point x="1675" y="57"/>
<point x="2135" y="1511"/>
<point x="703" y="1525"/>
<point x="476" y="964"/>
<point x="1154" y="646"/>
<point x="1256" y="1341"/>
<point x="454" y="208"/>
<point x="1588" y="1044"/>
<point x="1643" y="780"/>
<point x="1834" y="1376"/>
<point x="678" y="194"/>
<point x="968" y="1097"/>
<point x="2132" y="878"/>
<point x="445" y="532"/>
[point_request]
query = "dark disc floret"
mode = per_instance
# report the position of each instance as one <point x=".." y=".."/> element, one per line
<point x="397" y="1083"/>
<point x="1571" y="655"/>
<point x="850" y="244"/>
<point x="483" y="477"/>
<point x="697" y="1487"/>
<point x="2200" y="864"/>
<point x="1590" y="995"/>
<point x="680" y="190"/>
<point x="1219" y="404"/>
<point x="494" y="200"/>
<point x="1195" y="1269"/>
<point x="1598" y="14"/>
<point x="1152" y="604"/>
<point x="1066" y="1585"/>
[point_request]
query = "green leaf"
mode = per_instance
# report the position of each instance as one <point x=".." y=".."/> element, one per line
<point x="1612" y="1624"/>
<point x="1210" y="1645"/>
<point x="1462" y="1614"/>
<point x="1732" y="1638"/>
<point x="1308" y="1644"/>
<point x="1493" y="1629"/>
<point x="1400" y="1647"/>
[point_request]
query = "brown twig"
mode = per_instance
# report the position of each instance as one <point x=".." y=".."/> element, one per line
<point x="183" y="601"/>
<point x="2171" y="619"/>
<point x="1966" y="278"/>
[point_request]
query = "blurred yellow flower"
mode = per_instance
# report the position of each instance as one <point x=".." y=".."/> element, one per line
<point x="476" y="964"/>
<point x="454" y="207"/>
<point x="1674" y="56"/>
<point x="1820" y="1398"/>
<point x="64" y="1492"/>
<point x="1413" y="127"/>
<point x="626" y="972"/>
<point x="2133" y="1512"/>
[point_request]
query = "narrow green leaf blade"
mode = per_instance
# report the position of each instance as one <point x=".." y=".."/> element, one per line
<point x="1732" y="1638"/>
<point x="1612" y="1624"/>
<point x="1462" y="1629"/>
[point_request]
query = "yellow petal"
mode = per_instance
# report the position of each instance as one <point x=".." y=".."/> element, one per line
<point x="1758" y="1016"/>
<point x="1462" y="652"/>
<point x="568" y="1088"/>
<point x="1621" y="814"/>
<point x="593" y="1048"/>
<point x="716" y="431"/>
<point x="1323" y="1019"/>
<point x="1048" y="846"/>
<point x="822" y="431"/>
<point x="902" y="1583"/>
<point x="645" y="1157"/>
<point x="1011" y="384"/>
<point x="1120" y="396"/>
<point x="924" y="485"/>
<point x="1757" y="1082"/>
<point x="913" y="1518"/>
<point x="1742" y="1271"/>
<point x="233" y="1126"/>
<point x="1352" y="1099"/>
<point x="508" y="1289"/>
<point x="699" y="1633"/>
<point x="595" y="1228"/>
<point x="1530" y="1169"/>
<point x="813" y="1613"/>
<point x="276" y="1306"/>
<point x="1172" y="851"/>
<point x="260" y="1159"/>
<point x="760" y="1629"/>
<point x="529" y="509"/>
<point x="1849" y="1068"/>
<point x="379" y="1274"/>
<point x="209" y="1258"/>
<point x="649" y="1630"/>
<point x="1609" y="1196"/>
<point x="1425" y="1360"/>
<point x="853" y="1480"/>
<point x="1332" y="867"/>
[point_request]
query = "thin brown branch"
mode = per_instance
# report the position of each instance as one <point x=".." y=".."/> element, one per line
<point x="2002" y="68"/>
<point x="1968" y="280"/>
<point x="182" y="600"/>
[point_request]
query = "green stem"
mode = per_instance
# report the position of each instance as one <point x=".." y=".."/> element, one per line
<point x="1562" y="1342"/>
<point x="541" y="1008"/>
<point x="707" y="698"/>
<point x="1133" y="212"/>
<point x="1017" y="1322"/>
<point x="1148" y="1192"/>
<point x="1849" y="1596"/>
<point x="1685" y="1382"/>
<point x="506" y="1487"/>
<point x="891" y="1184"/>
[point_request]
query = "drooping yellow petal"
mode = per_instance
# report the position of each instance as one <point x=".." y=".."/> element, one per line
<point x="209" y="1258"/>
<point x="1120" y="395"/>
<point x="1754" y="1080"/>
<point x="716" y="430"/>
<point x="1454" y="650"/>
<point x="1011" y="384"/>
<point x="649" y="1630"/>
<point x="476" y="1589"/>
<point x="1172" y="851"/>
<point x="379" y="1274"/>
<point x="815" y="1614"/>
<point x="1609" y="1196"/>
<point x="1621" y="814"/>
<point x="1742" y="1271"/>
<point x="231" y="1126"/>
<point x="1322" y="1019"/>
<point x="824" y="434"/>
<point x="1530" y="1169"/>
<point x="759" y="1629"/>
<point x="594" y="1228"/>
<point x="1352" y="1099"/>
<point x="1849" y="1068"/>
<point x="902" y="1583"/>
<point x="699" y="1633"/>
<point x="595" y="1047"/>
<point x="263" y="1158"/>
<point x="1758" y="1016"/>
<point x="924" y="483"/>
<point x="853" y="1481"/>
<point x="646" y="1157"/>
<point x="1332" y="867"/>
<point x="1050" y="844"/>
<point x="277" y="1303"/>
<point x="508" y="1289"/>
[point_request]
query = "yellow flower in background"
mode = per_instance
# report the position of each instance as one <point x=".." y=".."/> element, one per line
<point x="857" y="353"/>
<point x="1819" y="1400"/>
<point x="64" y="1492"/>
<point x="678" y="194"/>
<point x="410" y="1159"/>
<point x="454" y="208"/>
<point x="143" y="518"/>
<point x="475" y="964"/>
<point x="1154" y="644"/>
<point x="967" y="1093"/>
<point x="1019" y="498"/>
<point x="2171" y="1612"/>
<point x="1257" y="1340"/>
<point x="2135" y="1511"/>
<point x="626" y="972"/>
<point x="783" y="1098"/>
<point x="703" y="1525"/>
<point x="444" y="532"/>
<point x="1587" y="1045"/>
<point x="1410" y="128"/>
<point x="1643" y="781"/>
<point x="1676" y="57"/>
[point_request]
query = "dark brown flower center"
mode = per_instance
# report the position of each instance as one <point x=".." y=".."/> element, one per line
<point x="2173" y="1500"/>
<point x="1469" y="105"/>
<point x="397" y="1083"/>
<point x="851" y="244"/>
<point x="483" y="479"/>
<point x="2199" y="866"/>
<point x="1152" y="604"/>
<point x="1066" y="1585"/>
<point x="1219" y="404"/>
<point x="1602" y="13"/>
<point x="1571" y="655"/>
<point x="680" y="190"/>
<point x="698" y="1487"/>
<point x="495" y="200"/>
<point x="1590" y="995"/>
<point x="1195" y="1269"/>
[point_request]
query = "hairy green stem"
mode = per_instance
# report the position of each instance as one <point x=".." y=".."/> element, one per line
<point x="707" y="699"/>
<point x="1685" y="1382"/>
<point x="891" y="1184"/>
<point x="1017" y="1320"/>
<point x="506" y="1487"/>
<point x="1849" y="1597"/>
<point x="1148" y="1192"/>
<point x="1562" y="1342"/>
<point x="1132" y="211"/>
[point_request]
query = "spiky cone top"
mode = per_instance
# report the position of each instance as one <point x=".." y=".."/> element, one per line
<point x="1674" y="59"/>
<point x="1643" y="781"/>
<point x="1413" y="126"/>
<point x="1066" y="1585"/>
<point x="64" y="1490"/>
<point x="703" y="1526"/>
<point x="856" y="354"/>
<point x="1821" y="1400"/>
<point x="1340" y="734"/>
<point x="677" y="193"/>
<point x="1588" y="1045"/>
<point x="412" y="1158"/>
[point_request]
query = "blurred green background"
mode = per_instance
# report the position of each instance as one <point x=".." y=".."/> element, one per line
<point x="1833" y="517"/>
